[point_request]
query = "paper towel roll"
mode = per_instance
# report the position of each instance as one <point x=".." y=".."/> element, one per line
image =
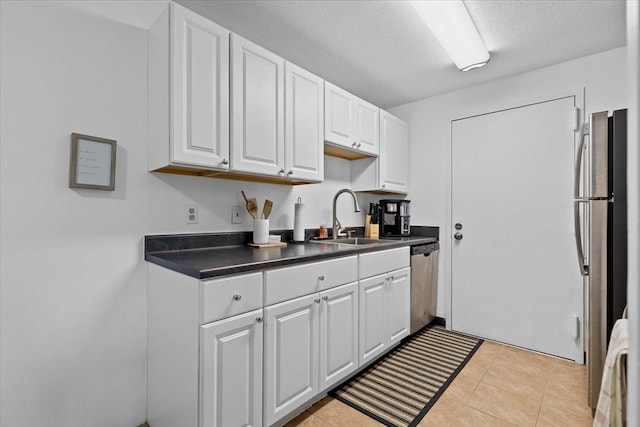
<point x="298" y="221"/>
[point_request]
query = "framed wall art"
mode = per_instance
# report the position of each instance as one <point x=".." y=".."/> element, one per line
<point x="93" y="162"/>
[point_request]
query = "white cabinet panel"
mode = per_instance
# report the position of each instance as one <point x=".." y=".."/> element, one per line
<point x="231" y="371"/>
<point x="394" y="153"/>
<point x="338" y="334"/>
<point x="290" y="282"/>
<point x="374" y="263"/>
<point x="398" y="300"/>
<point x="373" y="321"/>
<point x="351" y="122"/>
<point x="304" y="124"/>
<point x="291" y="355"/>
<point x="384" y="312"/>
<point x="339" y="116"/>
<point x="230" y="295"/>
<point x="367" y="128"/>
<point x="188" y="91"/>
<point x="257" y="113"/>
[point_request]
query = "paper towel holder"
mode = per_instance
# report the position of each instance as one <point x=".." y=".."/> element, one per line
<point x="298" y="222"/>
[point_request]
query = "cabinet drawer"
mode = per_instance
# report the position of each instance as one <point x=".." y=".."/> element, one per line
<point x="291" y="282"/>
<point x="374" y="263"/>
<point x="231" y="295"/>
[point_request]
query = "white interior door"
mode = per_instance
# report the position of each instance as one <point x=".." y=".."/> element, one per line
<point x="514" y="276"/>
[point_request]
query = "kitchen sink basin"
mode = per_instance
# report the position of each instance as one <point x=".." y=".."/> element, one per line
<point x="354" y="241"/>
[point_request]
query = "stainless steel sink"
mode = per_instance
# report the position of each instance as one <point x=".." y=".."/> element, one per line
<point x="354" y="241"/>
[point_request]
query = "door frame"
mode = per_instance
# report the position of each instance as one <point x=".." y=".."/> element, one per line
<point x="577" y="93"/>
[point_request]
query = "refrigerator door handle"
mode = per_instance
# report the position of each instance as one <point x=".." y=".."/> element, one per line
<point x="584" y="131"/>
<point x="584" y="269"/>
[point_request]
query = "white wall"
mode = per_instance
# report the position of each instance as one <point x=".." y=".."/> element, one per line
<point x="603" y="75"/>
<point x="73" y="279"/>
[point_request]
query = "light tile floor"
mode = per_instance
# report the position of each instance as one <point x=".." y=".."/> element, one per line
<point x="500" y="386"/>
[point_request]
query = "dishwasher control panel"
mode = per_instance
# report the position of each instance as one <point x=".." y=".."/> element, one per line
<point x="425" y="249"/>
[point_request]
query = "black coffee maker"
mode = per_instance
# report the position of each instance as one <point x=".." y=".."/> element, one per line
<point x="395" y="217"/>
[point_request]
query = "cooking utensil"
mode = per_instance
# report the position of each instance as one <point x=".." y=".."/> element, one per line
<point x="251" y="204"/>
<point x="266" y="209"/>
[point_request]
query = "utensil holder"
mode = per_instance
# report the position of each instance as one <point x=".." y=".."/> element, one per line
<point x="260" y="231"/>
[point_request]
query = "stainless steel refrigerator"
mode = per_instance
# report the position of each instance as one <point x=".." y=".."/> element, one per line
<point x="600" y="210"/>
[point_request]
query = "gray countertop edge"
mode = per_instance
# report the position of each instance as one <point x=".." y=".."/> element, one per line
<point x="183" y="261"/>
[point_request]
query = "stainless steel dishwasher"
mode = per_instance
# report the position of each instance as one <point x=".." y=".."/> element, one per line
<point x="424" y="284"/>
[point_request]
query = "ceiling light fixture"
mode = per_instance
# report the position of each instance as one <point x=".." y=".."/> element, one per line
<point x="450" y="22"/>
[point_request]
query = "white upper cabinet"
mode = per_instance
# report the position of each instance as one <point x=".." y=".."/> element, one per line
<point x="304" y="124"/>
<point x="394" y="153"/>
<point x="367" y="136"/>
<point x="188" y="92"/>
<point x="389" y="173"/>
<point x="257" y="109"/>
<point x="350" y="122"/>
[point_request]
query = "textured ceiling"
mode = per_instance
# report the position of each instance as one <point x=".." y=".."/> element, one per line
<point x="381" y="51"/>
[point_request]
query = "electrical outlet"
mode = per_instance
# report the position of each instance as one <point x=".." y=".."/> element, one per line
<point x="235" y="215"/>
<point x="191" y="214"/>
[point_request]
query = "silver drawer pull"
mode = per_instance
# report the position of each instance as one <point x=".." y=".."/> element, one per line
<point x="359" y="144"/>
<point x="237" y="297"/>
<point x="259" y="319"/>
<point x="320" y="277"/>
<point x="317" y="300"/>
<point x="326" y="298"/>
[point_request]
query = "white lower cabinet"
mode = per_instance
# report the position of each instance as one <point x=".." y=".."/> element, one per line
<point x="384" y="312"/>
<point x="231" y="371"/>
<point x="291" y="355"/>
<point x="251" y="349"/>
<point x="311" y="344"/>
<point x="338" y="334"/>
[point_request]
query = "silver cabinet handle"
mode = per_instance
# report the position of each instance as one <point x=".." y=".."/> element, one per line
<point x="259" y="319"/>
<point x="281" y="170"/>
<point x="359" y="144"/>
<point x="325" y="298"/>
<point x="458" y="236"/>
<point x="290" y="172"/>
<point x="237" y="297"/>
<point x="320" y="277"/>
<point x="354" y="144"/>
<point x="225" y="161"/>
<point x="317" y="300"/>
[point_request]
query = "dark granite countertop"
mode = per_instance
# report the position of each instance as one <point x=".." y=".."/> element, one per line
<point x="219" y="260"/>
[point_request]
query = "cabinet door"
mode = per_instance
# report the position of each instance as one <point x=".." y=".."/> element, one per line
<point x="338" y="334"/>
<point x="373" y="320"/>
<point x="304" y="124"/>
<point x="291" y="355"/>
<point x="398" y="304"/>
<point x="231" y="371"/>
<point x="257" y="109"/>
<point x="199" y="101"/>
<point x="394" y="153"/>
<point x="339" y="116"/>
<point x="367" y="131"/>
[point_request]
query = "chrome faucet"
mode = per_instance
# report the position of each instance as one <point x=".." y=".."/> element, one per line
<point x="335" y="224"/>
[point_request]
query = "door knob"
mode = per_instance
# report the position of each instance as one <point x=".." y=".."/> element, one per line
<point x="458" y="236"/>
